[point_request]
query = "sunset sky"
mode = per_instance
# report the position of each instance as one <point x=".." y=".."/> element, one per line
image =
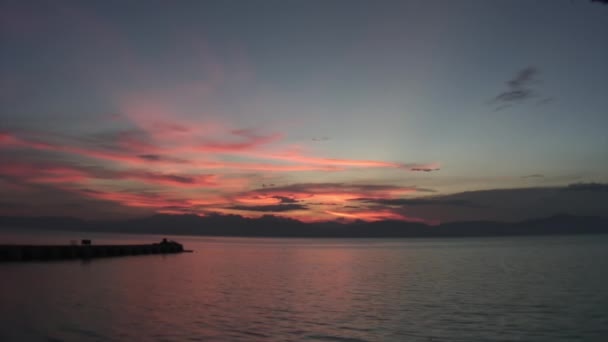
<point x="425" y="111"/>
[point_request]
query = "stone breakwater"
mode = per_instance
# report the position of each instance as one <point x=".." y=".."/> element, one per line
<point x="63" y="252"/>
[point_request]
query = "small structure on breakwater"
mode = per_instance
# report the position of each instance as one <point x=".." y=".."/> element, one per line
<point x="86" y="250"/>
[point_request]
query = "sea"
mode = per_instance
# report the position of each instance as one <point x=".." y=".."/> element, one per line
<point x="545" y="288"/>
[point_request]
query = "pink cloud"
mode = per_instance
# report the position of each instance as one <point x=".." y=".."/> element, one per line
<point x="62" y="173"/>
<point x="5" y="138"/>
<point x="295" y="155"/>
<point x="36" y="174"/>
<point x="169" y="156"/>
<point x="320" y="201"/>
<point x="144" y="160"/>
<point x="320" y="196"/>
<point x="139" y="151"/>
<point x="159" y="202"/>
<point x="149" y="200"/>
<point x="157" y="121"/>
<point x="257" y="200"/>
<point x="341" y="191"/>
<point x="251" y="142"/>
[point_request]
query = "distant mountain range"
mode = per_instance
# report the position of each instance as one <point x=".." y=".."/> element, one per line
<point x="273" y="226"/>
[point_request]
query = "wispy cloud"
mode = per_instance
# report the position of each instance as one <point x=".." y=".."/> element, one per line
<point x="339" y="190"/>
<point x="65" y="173"/>
<point x="536" y="175"/>
<point x="521" y="88"/>
<point x="320" y="139"/>
<point x="183" y="172"/>
<point x="207" y="153"/>
<point x="138" y="199"/>
<point x="424" y="169"/>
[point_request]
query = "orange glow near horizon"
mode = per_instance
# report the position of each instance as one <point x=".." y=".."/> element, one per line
<point x="374" y="216"/>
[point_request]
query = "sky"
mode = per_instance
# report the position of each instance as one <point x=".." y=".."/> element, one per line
<point x="424" y="111"/>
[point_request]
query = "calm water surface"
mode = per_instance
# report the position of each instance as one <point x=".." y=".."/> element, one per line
<point x="238" y="289"/>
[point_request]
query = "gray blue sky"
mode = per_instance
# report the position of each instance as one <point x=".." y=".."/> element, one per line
<point x="297" y="108"/>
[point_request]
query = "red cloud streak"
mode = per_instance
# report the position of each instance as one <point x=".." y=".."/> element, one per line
<point x="168" y="156"/>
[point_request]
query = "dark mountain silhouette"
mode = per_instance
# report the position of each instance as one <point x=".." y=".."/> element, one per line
<point x="274" y="226"/>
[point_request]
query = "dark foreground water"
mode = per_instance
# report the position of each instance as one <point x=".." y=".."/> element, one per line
<point x="232" y="289"/>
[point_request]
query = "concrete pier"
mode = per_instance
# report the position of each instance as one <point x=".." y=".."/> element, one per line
<point x="61" y="252"/>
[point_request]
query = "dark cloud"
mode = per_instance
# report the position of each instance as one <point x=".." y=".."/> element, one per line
<point x="91" y="191"/>
<point x="270" y="208"/>
<point x="523" y="78"/>
<point x="591" y="187"/>
<point x="417" y="201"/>
<point x="520" y="89"/>
<point x="7" y="205"/>
<point x="536" y="175"/>
<point x="159" y="158"/>
<point x="182" y="209"/>
<point x="512" y="204"/>
<point x="320" y="139"/>
<point x="51" y="200"/>
<point x="515" y="95"/>
<point x="285" y="200"/>
<point x="425" y="190"/>
<point x="150" y="157"/>
<point x="424" y="169"/>
<point x="174" y="178"/>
